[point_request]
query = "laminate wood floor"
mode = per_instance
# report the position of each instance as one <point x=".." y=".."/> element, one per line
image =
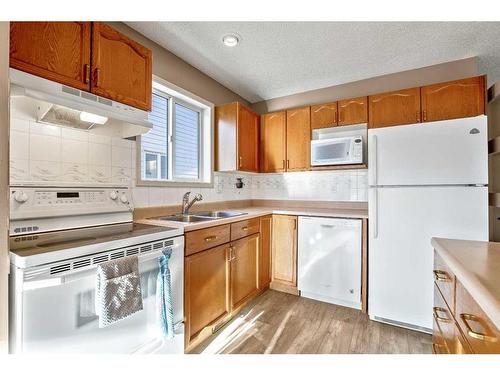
<point x="282" y="323"/>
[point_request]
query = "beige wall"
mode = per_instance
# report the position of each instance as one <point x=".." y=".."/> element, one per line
<point x="410" y="78"/>
<point x="175" y="70"/>
<point x="4" y="182"/>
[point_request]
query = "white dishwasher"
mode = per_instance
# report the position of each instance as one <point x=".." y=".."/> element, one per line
<point x="329" y="260"/>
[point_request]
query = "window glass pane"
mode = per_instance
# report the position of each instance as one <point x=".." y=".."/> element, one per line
<point x="186" y="143"/>
<point x="151" y="166"/>
<point x="156" y="140"/>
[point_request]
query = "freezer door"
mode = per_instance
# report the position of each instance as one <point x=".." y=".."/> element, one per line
<point x="329" y="260"/>
<point x="402" y="222"/>
<point x="450" y="152"/>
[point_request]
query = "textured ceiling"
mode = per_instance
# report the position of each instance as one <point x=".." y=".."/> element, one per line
<point x="281" y="58"/>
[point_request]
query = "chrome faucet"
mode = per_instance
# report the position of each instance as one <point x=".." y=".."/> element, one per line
<point x="186" y="204"/>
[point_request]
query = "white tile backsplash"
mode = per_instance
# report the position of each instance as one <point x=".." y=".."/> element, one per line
<point x="56" y="154"/>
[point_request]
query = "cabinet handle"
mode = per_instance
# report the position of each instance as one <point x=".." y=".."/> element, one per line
<point x="288" y="164"/>
<point x="441" y="276"/>
<point x="340" y="117"/>
<point x="476" y="335"/>
<point x="437" y="310"/>
<point x="240" y="161"/>
<point x="418" y="116"/>
<point x="424" y="114"/>
<point x="210" y="238"/>
<point x="86" y="73"/>
<point x="231" y="254"/>
<point x="97" y="75"/>
<point x="284" y="166"/>
<point x="436" y="348"/>
<point x="244" y="228"/>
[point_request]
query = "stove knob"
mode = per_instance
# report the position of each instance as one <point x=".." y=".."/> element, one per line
<point x="113" y="195"/>
<point x="124" y="198"/>
<point x="20" y="196"/>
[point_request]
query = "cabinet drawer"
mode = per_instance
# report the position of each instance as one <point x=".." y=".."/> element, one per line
<point x="445" y="281"/>
<point x="203" y="239"/>
<point x="244" y="228"/>
<point x="478" y="329"/>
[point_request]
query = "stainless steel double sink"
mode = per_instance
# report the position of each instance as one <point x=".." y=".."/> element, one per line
<point x="200" y="216"/>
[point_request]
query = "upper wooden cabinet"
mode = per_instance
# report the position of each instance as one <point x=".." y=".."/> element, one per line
<point x="455" y="99"/>
<point x="394" y="108"/>
<point x="353" y="111"/>
<point x="121" y="67"/>
<point x="324" y="115"/>
<point x="298" y="139"/>
<point x="273" y="142"/>
<point x="237" y="138"/>
<point x="89" y="56"/>
<point x="58" y="51"/>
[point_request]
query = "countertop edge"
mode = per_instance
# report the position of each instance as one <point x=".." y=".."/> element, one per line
<point x="482" y="295"/>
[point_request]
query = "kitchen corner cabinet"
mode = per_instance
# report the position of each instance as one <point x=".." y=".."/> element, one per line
<point x="394" y="108"/>
<point x="265" y="251"/>
<point x="324" y="115"/>
<point x="236" y="138"/>
<point x="455" y="99"/>
<point x="284" y="253"/>
<point x="298" y="139"/>
<point x="89" y="56"/>
<point x="121" y="67"/>
<point x="58" y="51"/>
<point x="353" y="111"/>
<point x="273" y="142"/>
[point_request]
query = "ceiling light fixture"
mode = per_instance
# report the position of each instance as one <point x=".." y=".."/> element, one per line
<point x="231" y="40"/>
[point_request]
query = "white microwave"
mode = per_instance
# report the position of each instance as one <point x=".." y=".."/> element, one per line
<point x="336" y="151"/>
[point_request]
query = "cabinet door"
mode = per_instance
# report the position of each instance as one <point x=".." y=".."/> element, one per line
<point x="265" y="252"/>
<point x="244" y="270"/>
<point x="273" y="142"/>
<point x="394" y="108"/>
<point x="298" y="139"/>
<point x="121" y="68"/>
<point x="324" y="115"/>
<point x="284" y="250"/>
<point x="456" y="99"/>
<point x="353" y="111"/>
<point x="206" y="292"/>
<point x="248" y="140"/>
<point x="57" y="51"/>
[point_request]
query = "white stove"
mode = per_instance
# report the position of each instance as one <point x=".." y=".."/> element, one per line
<point x="58" y="237"/>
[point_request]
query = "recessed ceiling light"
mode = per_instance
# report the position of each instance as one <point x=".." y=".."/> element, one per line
<point x="231" y="40"/>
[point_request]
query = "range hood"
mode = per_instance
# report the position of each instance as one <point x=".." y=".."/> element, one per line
<point x="51" y="102"/>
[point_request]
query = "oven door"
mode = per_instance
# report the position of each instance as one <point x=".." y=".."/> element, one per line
<point x="57" y="314"/>
<point x="331" y="151"/>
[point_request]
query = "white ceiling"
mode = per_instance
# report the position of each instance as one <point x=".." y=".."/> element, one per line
<point x="281" y="58"/>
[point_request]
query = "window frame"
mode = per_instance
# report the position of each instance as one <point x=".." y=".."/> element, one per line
<point x="205" y="109"/>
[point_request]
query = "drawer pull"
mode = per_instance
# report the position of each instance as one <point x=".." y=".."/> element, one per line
<point x="438" y="349"/>
<point x="244" y="228"/>
<point x="441" y="276"/>
<point x="476" y="335"/>
<point x="210" y="238"/>
<point x="437" y="310"/>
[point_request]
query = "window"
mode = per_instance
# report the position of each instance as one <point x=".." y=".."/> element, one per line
<point x="178" y="148"/>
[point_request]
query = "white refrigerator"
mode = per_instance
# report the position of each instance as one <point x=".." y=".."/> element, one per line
<point x="425" y="180"/>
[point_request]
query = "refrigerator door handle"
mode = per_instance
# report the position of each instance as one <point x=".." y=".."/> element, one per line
<point x="372" y="163"/>
<point x="374" y="219"/>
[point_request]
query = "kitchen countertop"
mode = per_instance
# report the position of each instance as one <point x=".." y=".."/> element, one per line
<point x="255" y="211"/>
<point x="477" y="265"/>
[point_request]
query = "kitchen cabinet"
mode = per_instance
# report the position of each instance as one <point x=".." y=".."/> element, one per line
<point x="323" y="115"/>
<point x="90" y="56"/>
<point x="57" y="51"/>
<point x="298" y="139"/>
<point x="455" y="99"/>
<point x="265" y="252"/>
<point x="273" y="142"/>
<point x="121" y="67"/>
<point x="206" y="289"/>
<point x="244" y="255"/>
<point x="284" y="253"/>
<point x="236" y="138"/>
<point x="353" y="111"/>
<point x="394" y="108"/>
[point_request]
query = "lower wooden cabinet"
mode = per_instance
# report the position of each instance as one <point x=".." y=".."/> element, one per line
<point x="244" y="255"/>
<point x="266" y="224"/>
<point x="206" y="289"/>
<point x="284" y="253"/>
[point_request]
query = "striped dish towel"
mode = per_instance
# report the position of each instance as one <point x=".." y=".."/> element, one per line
<point x="164" y="296"/>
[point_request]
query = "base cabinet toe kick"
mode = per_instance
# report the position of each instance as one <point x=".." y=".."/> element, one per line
<point x="460" y="324"/>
